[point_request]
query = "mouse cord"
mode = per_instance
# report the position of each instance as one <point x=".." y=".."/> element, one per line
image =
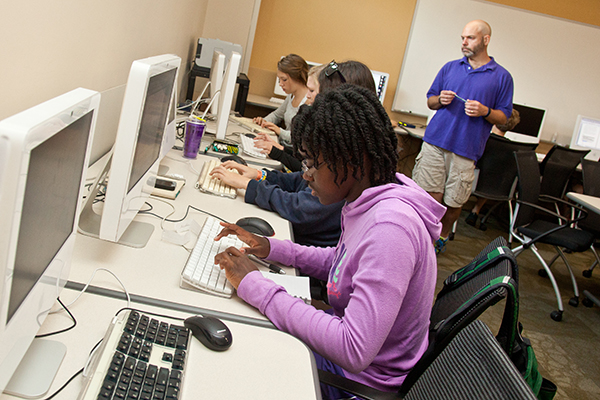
<point x="90" y="280"/>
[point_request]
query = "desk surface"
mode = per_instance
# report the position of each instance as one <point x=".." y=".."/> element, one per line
<point x="153" y="272"/>
<point x="261" y="364"/>
<point x="262" y="101"/>
<point x="591" y="202"/>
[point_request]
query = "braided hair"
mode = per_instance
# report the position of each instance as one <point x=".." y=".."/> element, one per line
<point x="347" y="126"/>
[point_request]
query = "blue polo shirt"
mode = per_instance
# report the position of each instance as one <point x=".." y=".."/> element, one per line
<point x="453" y="130"/>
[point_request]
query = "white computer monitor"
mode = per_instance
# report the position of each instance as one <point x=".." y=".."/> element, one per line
<point x="529" y="128"/>
<point x="170" y="135"/>
<point x="381" y="83"/>
<point x="586" y="136"/>
<point x="226" y="94"/>
<point x="217" y="70"/>
<point x="136" y="155"/>
<point x="44" y="154"/>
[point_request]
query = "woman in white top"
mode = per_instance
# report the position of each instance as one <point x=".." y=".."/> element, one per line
<point x="292" y="72"/>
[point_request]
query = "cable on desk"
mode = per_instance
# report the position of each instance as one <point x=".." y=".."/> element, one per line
<point x="186" y="215"/>
<point x="62" y="330"/>
<point x="90" y="280"/>
<point x="65" y="384"/>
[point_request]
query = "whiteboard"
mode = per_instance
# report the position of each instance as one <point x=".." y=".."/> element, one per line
<point x="555" y="63"/>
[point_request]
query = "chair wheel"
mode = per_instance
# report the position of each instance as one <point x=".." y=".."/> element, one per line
<point x="451" y="236"/>
<point x="542" y="272"/>
<point x="574" y="301"/>
<point x="556" y="315"/>
<point x="483" y="226"/>
<point x="587" y="302"/>
<point x="587" y="273"/>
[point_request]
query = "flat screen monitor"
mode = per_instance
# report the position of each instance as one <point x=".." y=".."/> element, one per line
<point x="136" y="154"/>
<point x="381" y="84"/>
<point x="44" y="153"/>
<point x="226" y="94"/>
<point x="217" y="70"/>
<point x="528" y="130"/>
<point x="586" y="136"/>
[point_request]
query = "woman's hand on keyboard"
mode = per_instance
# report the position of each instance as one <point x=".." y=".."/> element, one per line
<point x="257" y="245"/>
<point x="236" y="262"/>
<point x="266" y="142"/>
<point x="239" y="179"/>
<point x="271" y="126"/>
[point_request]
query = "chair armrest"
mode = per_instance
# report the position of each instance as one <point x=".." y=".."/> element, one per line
<point x="356" y="388"/>
<point x="545" y="197"/>
<point x="540" y="208"/>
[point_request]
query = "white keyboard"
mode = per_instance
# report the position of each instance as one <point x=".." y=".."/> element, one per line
<point x="200" y="270"/>
<point x="212" y="185"/>
<point x="276" y="100"/>
<point x="249" y="148"/>
<point x="248" y="124"/>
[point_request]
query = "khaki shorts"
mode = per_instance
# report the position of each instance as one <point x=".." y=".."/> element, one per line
<point x="441" y="171"/>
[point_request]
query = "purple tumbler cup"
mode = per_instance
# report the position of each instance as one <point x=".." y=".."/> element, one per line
<point x="194" y="129"/>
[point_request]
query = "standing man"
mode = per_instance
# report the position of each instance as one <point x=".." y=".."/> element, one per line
<point x="470" y="95"/>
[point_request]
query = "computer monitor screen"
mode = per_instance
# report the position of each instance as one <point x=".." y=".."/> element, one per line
<point x="528" y="130"/>
<point x="381" y="84"/>
<point x="136" y="154"/>
<point x="587" y="136"/>
<point x="46" y="151"/>
<point x="217" y="70"/>
<point x="226" y="94"/>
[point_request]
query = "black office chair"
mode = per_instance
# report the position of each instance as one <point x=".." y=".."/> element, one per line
<point x="498" y="174"/>
<point x="529" y="230"/>
<point x="467" y="293"/>
<point x="590" y="171"/>
<point x="556" y="169"/>
<point x="472" y="366"/>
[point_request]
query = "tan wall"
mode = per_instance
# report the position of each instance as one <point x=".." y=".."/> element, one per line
<point x="374" y="32"/>
<point x="50" y="47"/>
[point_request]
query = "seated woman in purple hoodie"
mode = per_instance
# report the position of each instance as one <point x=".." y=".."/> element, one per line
<point x="382" y="274"/>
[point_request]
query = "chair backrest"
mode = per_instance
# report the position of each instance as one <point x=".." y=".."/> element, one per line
<point x="497" y="168"/>
<point x="590" y="171"/>
<point x="466" y="294"/>
<point x="528" y="187"/>
<point x="472" y="366"/>
<point x="557" y="167"/>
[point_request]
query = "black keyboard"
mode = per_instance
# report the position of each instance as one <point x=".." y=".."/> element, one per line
<point x="145" y="360"/>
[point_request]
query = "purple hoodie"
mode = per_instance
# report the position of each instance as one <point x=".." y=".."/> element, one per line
<point x="381" y="281"/>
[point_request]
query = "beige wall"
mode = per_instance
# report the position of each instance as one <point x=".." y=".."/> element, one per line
<point x="374" y="32"/>
<point x="50" y="47"/>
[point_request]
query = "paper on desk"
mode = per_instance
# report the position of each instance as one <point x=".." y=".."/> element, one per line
<point x="183" y="233"/>
<point x="297" y="286"/>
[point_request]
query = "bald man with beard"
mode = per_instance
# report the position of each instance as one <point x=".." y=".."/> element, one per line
<point x="470" y="95"/>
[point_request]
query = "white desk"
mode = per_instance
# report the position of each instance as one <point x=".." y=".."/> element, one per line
<point x="262" y="101"/>
<point x="261" y="363"/>
<point x="233" y="135"/>
<point x="153" y="272"/>
<point x="591" y="202"/>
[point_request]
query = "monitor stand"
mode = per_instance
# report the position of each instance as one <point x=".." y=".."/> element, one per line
<point x="137" y="233"/>
<point x="37" y="369"/>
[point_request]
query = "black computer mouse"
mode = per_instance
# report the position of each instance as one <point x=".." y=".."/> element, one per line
<point x="256" y="225"/>
<point x="210" y="331"/>
<point x="236" y="158"/>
